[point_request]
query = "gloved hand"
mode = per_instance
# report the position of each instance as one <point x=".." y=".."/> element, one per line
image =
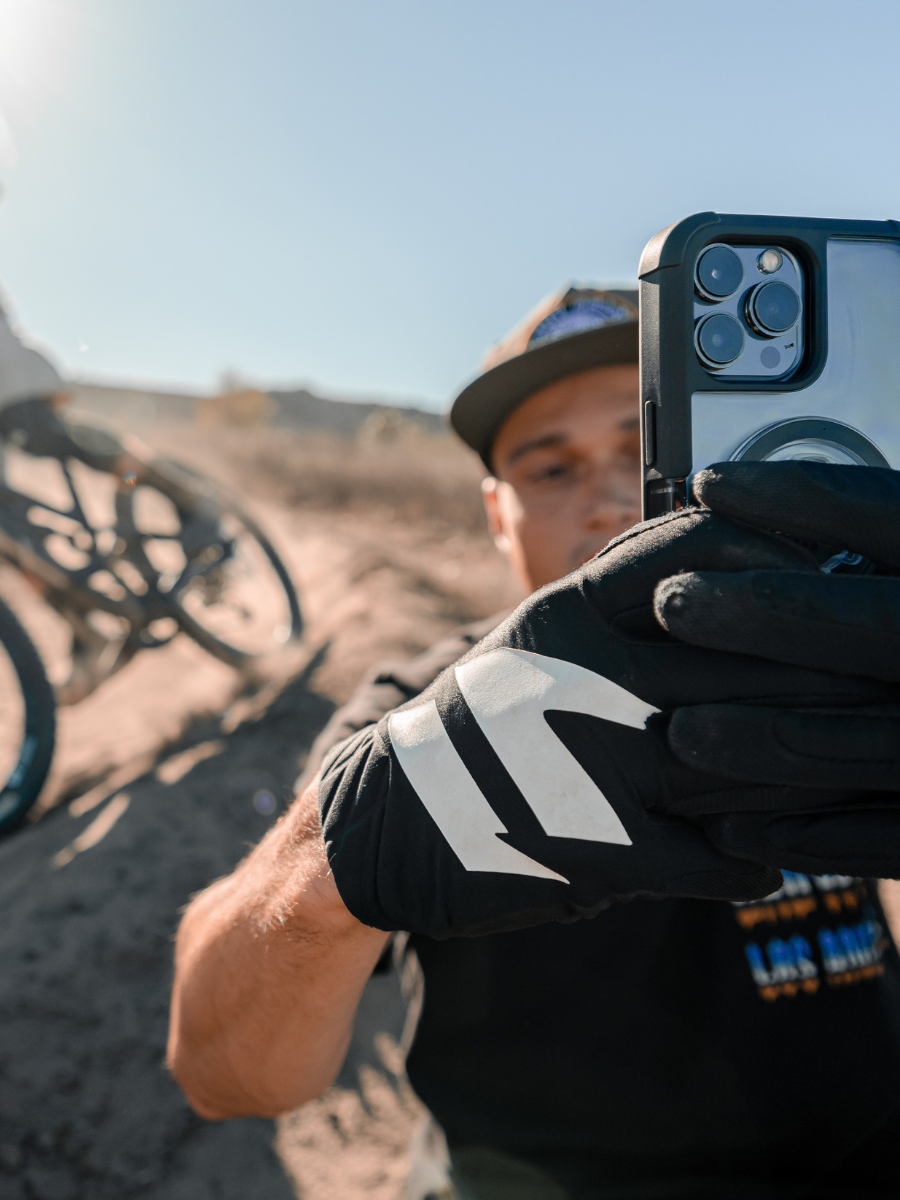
<point x="523" y="785"/>
<point x="847" y="624"/>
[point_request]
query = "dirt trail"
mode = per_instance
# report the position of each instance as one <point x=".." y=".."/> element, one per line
<point x="162" y="779"/>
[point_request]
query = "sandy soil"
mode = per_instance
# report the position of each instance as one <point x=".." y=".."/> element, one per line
<point x="162" y="780"/>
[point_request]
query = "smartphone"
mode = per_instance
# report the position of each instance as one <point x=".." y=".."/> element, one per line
<point x="767" y="338"/>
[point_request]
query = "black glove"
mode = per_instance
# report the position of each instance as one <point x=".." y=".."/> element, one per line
<point x="523" y="786"/>
<point x="848" y="624"/>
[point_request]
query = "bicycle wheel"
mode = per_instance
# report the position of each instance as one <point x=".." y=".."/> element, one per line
<point x="27" y="722"/>
<point x="216" y="572"/>
<point x="242" y="604"/>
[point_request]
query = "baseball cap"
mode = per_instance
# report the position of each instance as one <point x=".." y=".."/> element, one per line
<point x="572" y="329"/>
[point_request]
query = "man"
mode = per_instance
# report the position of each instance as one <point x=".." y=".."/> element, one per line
<point x="31" y="391"/>
<point x="30" y="386"/>
<point x="679" y="1047"/>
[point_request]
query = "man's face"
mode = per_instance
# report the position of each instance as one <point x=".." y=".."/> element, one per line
<point x="568" y="477"/>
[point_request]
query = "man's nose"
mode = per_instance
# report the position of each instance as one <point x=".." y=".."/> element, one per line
<point x="611" y="500"/>
<point x="598" y="500"/>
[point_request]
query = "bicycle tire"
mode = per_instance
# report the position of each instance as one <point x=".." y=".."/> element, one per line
<point x="217" y="646"/>
<point x="21" y="788"/>
<point x="196" y="498"/>
<point x="186" y="487"/>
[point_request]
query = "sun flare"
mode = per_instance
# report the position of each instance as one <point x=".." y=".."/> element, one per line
<point x="25" y="29"/>
<point x="33" y="38"/>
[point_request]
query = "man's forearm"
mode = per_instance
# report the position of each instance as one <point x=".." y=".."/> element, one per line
<point x="269" y="969"/>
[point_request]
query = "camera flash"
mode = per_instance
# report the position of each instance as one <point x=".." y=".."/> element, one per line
<point x="770" y="261"/>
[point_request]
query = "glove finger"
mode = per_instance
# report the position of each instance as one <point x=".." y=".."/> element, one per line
<point x="841" y="623"/>
<point x="840" y="506"/>
<point x="735" y="884"/>
<point x="856" y="841"/>
<point x="631" y="565"/>
<point x="806" y="750"/>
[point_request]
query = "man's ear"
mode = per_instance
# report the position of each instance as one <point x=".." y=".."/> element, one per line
<point x="494" y="519"/>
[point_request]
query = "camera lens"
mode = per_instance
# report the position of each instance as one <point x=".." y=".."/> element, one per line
<point x="772" y="308"/>
<point x="720" y="340"/>
<point x="719" y="272"/>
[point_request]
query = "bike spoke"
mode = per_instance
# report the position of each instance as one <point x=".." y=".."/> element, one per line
<point x="76" y="503"/>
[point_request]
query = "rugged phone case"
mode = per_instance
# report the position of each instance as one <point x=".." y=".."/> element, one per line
<point x="847" y="377"/>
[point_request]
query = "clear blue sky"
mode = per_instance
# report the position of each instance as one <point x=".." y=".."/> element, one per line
<point x="362" y="195"/>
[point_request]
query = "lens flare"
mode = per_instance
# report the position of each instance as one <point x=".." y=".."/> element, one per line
<point x="34" y="38"/>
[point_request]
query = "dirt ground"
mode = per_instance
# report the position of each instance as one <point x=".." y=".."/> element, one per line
<point x="155" y="791"/>
<point x="162" y="780"/>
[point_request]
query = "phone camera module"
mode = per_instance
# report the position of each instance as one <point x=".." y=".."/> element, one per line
<point x="770" y="261"/>
<point x="719" y="340"/>
<point x="772" y="308"/>
<point x="719" y="272"/>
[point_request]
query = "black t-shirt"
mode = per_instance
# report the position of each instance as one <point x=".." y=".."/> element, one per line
<point x="667" y="1048"/>
<point x="687" y="1048"/>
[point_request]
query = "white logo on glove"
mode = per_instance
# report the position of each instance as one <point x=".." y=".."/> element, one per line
<point x="508" y="692"/>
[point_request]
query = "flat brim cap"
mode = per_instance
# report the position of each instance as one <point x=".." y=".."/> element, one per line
<point x="529" y="361"/>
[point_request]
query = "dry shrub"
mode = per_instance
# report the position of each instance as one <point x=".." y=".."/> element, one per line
<point x="410" y="477"/>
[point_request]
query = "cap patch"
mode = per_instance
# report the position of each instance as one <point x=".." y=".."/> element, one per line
<point x="577" y="317"/>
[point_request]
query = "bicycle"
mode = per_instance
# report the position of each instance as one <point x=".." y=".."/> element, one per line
<point x="130" y="548"/>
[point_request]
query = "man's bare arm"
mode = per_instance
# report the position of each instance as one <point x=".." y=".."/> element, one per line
<point x="269" y="968"/>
